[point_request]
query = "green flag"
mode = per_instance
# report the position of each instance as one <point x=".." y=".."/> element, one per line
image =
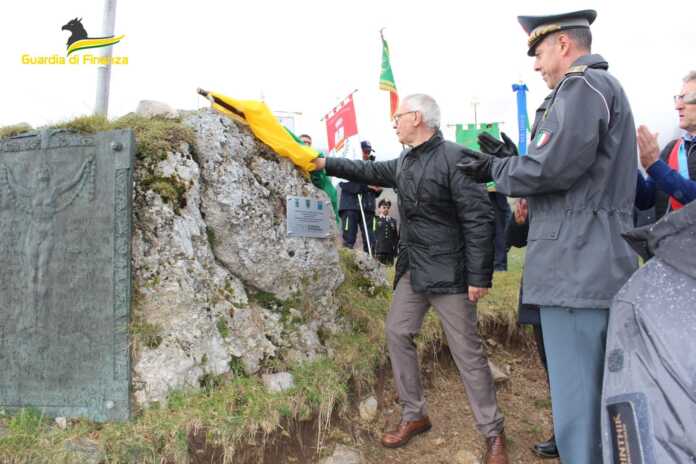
<point x="386" y="78"/>
<point x="469" y="138"/>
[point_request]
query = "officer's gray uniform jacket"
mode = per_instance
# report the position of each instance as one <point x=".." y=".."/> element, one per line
<point x="579" y="178"/>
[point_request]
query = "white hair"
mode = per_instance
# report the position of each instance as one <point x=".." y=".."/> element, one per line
<point x="426" y="106"/>
<point x="691" y="76"/>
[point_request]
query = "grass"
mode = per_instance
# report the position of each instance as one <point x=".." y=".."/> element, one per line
<point x="497" y="312"/>
<point x="233" y="411"/>
<point x="13" y="130"/>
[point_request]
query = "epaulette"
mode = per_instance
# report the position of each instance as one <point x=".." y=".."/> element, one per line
<point x="579" y="69"/>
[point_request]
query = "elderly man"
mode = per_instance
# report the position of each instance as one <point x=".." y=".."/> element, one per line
<point x="445" y="260"/>
<point x="671" y="181"/>
<point x="579" y="178"/>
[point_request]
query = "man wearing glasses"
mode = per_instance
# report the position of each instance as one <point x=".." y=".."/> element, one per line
<point x="445" y="260"/>
<point x="671" y="181"/>
<point x="579" y="180"/>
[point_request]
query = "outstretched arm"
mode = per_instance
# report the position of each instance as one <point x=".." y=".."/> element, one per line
<point x="20" y="195"/>
<point x="64" y="187"/>
<point x="8" y="178"/>
<point x="382" y="173"/>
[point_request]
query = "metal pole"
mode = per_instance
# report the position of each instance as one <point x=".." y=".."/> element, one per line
<point x="366" y="235"/>
<point x="475" y="102"/>
<point x="104" y="72"/>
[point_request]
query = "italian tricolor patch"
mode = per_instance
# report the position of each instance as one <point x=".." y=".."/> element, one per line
<point x="543" y="138"/>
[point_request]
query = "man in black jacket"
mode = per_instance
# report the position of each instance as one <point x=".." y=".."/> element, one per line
<point x="445" y="260"/>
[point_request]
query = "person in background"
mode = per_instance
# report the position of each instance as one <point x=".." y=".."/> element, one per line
<point x="306" y="139"/>
<point x="671" y="181"/>
<point x="358" y="201"/>
<point x="386" y="233"/>
<point x="502" y="213"/>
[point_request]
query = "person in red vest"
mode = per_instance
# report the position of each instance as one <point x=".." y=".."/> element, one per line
<point x="671" y="181"/>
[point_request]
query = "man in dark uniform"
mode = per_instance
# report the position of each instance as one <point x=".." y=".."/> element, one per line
<point x="579" y="179"/>
<point x="386" y="233"/>
<point x="358" y="202"/>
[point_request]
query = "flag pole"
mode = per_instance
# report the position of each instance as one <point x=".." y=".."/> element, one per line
<point x="101" y="106"/>
<point x="339" y="104"/>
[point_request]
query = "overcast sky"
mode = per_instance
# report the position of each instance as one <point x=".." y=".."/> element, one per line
<point x="305" y="56"/>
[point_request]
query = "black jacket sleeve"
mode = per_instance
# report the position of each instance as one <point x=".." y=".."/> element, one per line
<point x="477" y="221"/>
<point x="381" y="173"/>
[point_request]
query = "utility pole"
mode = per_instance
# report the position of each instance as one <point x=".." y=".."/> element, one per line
<point x="104" y="72"/>
<point x="475" y="103"/>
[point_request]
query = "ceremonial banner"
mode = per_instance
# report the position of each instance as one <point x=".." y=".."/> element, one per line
<point x="522" y="120"/>
<point x="386" y="78"/>
<point x="341" y="125"/>
<point x="469" y="136"/>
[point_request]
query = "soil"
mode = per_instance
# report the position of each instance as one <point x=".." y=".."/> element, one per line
<point x="523" y="399"/>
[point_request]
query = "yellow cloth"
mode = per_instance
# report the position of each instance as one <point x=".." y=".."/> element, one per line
<point x="266" y="128"/>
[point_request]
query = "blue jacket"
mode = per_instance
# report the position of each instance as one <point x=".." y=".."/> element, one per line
<point x="664" y="181"/>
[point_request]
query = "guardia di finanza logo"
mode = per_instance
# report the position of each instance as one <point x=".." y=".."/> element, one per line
<point x="79" y="40"/>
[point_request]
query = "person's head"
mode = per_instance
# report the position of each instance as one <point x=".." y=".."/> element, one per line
<point x="384" y="206"/>
<point x="416" y="119"/>
<point x="366" y="148"/>
<point x="685" y="104"/>
<point x="556" y="42"/>
<point x="306" y="139"/>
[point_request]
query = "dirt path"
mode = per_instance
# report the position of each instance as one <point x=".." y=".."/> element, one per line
<point x="524" y="402"/>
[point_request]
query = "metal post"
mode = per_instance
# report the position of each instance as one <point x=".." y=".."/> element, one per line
<point x="475" y="103"/>
<point x="104" y="72"/>
<point x="366" y="234"/>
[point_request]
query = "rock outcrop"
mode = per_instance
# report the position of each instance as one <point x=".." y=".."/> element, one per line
<point x="219" y="286"/>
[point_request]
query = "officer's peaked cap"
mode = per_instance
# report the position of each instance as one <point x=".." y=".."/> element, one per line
<point x="538" y="27"/>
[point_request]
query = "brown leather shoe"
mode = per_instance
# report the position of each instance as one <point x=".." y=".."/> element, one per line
<point x="404" y="432"/>
<point x="495" y="450"/>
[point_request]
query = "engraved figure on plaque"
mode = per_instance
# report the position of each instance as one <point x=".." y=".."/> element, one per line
<point x="41" y="203"/>
<point x="65" y="278"/>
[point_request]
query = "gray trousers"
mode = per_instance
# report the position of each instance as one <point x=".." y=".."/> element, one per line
<point x="458" y="316"/>
<point x="575" y="341"/>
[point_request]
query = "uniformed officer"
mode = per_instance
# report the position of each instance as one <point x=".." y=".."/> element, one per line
<point x="579" y="178"/>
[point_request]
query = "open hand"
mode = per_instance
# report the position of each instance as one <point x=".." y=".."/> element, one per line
<point x="648" y="148"/>
<point x="521" y="210"/>
<point x="319" y="163"/>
